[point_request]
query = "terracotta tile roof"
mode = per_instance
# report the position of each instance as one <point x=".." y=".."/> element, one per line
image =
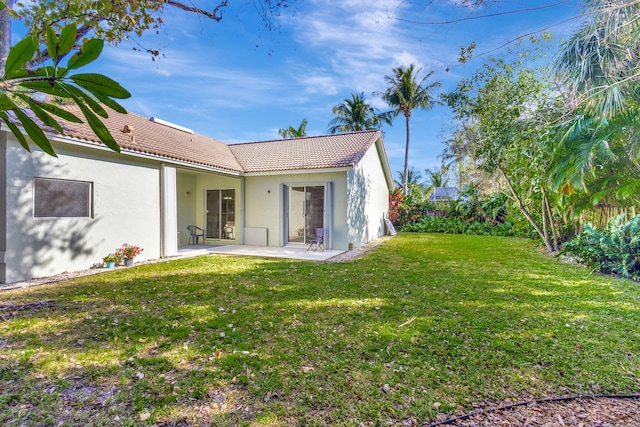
<point x="149" y="137"/>
<point x="158" y="139"/>
<point x="317" y="152"/>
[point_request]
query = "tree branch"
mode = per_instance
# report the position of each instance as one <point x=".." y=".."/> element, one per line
<point x="216" y="14"/>
<point x="526" y="212"/>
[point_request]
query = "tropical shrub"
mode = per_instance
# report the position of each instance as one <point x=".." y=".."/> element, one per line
<point x="615" y="249"/>
<point x="472" y="205"/>
<point x="406" y="208"/>
<point x="520" y="224"/>
<point x="427" y="224"/>
<point x="396" y="204"/>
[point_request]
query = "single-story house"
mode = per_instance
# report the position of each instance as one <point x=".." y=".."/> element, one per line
<point x="66" y="213"/>
<point x="443" y="194"/>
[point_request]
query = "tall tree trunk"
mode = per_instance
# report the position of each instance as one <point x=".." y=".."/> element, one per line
<point x="5" y="34"/>
<point x="545" y="219"/>
<point x="522" y="208"/>
<point x="552" y="221"/>
<point x="406" y="157"/>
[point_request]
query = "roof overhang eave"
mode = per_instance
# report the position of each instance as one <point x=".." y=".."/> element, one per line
<point x="384" y="161"/>
<point x="299" y="171"/>
<point x="141" y="154"/>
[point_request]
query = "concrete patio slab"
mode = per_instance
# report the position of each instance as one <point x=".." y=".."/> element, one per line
<point x="291" y="252"/>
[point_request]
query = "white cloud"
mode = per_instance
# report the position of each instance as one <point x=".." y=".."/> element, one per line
<point x="319" y="83"/>
<point x="360" y="42"/>
<point x="404" y="59"/>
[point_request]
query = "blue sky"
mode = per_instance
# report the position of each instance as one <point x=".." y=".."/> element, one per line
<point x="236" y="82"/>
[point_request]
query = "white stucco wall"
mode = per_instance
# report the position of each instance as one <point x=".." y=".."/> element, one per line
<point x="126" y="209"/>
<point x="368" y="194"/>
<point x="264" y="205"/>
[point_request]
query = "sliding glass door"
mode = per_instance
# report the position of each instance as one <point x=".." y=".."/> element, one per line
<point x="305" y="212"/>
<point x="220" y="214"/>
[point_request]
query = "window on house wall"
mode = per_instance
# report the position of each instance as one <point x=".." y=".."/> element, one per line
<point x="61" y="198"/>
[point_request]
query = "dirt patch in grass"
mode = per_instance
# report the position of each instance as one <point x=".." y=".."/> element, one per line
<point x="599" y="411"/>
<point x="8" y="311"/>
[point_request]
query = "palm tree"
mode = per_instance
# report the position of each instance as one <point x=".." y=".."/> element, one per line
<point x="437" y="178"/>
<point x="415" y="185"/>
<point x="355" y="114"/>
<point x="406" y="93"/>
<point x="598" y="155"/>
<point x="414" y="175"/>
<point x="600" y="62"/>
<point x="459" y="153"/>
<point x="292" y="132"/>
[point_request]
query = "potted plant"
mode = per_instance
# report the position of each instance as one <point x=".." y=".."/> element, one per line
<point x="110" y="260"/>
<point x="128" y="253"/>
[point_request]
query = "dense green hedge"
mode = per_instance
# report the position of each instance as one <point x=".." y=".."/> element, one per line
<point x="615" y="249"/>
<point x="428" y="224"/>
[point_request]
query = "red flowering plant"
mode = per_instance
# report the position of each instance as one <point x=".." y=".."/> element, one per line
<point x="396" y="204"/>
<point x="128" y="251"/>
<point x="404" y="208"/>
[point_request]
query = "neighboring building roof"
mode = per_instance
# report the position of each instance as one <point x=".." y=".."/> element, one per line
<point x="317" y="152"/>
<point x="170" y="141"/>
<point x="439" y="194"/>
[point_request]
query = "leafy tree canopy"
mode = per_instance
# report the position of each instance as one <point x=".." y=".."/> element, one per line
<point x="23" y="86"/>
<point x="512" y="109"/>
<point x="116" y="20"/>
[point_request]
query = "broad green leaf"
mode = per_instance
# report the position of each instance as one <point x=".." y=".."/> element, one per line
<point x="18" y="134"/>
<point x="98" y="127"/>
<point x="100" y="84"/>
<point x="82" y="97"/>
<point x="19" y="55"/>
<point x="46" y="119"/>
<point x="51" y="40"/>
<point x="111" y="104"/>
<point x="2" y="5"/>
<point x="89" y="52"/>
<point x="6" y="103"/>
<point x="67" y="40"/>
<point x="19" y="74"/>
<point x="599" y="195"/>
<point x="35" y="133"/>
<point x="50" y="87"/>
<point x="60" y="112"/>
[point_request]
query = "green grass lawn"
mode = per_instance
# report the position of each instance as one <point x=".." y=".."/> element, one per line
<point x="425" y="324"/>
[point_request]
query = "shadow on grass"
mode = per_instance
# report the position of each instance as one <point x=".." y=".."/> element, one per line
<point x="400" y="335"/>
